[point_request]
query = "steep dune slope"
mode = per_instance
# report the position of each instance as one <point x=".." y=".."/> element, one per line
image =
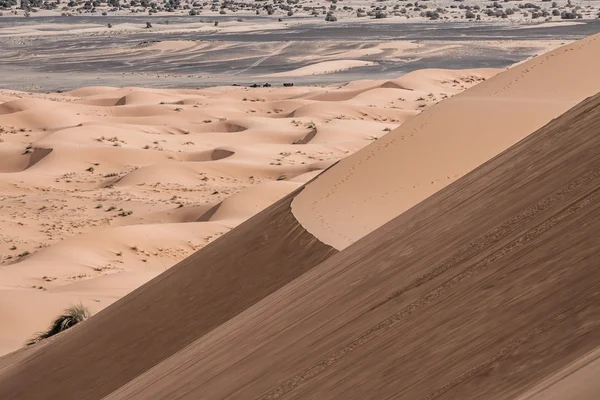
<point x="578" y="381"/>
<point x="444" y="142"/>
<point x="479" y="292"/>
<point x="165" y="315"/>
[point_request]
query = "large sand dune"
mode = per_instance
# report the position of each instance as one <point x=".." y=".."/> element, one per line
<point x="480" y="291"/>
<point x="484" y="290"/>
<point x="104" y="188"/>
<point x="371" y="187"/>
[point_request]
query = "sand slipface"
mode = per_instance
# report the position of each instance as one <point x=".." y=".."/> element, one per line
<point x="482" y="291"/>
<point x="221" y="280"/>
<point x="445" y="142"/>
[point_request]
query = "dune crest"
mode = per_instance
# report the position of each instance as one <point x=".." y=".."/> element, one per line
<point x="445" y="142"/>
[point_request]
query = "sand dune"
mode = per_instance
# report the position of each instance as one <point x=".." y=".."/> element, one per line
<point x="355" y="284"/>
<point x="445" y="142"/>
<point x="358" y="326"/>
<point x="405" y="312"/>
<point x="110" y="186"/>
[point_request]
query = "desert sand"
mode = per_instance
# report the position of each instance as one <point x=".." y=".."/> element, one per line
<point x="105" y="188"/>
<point x="478" y="292"/>
<point x="487" y="289"/>
<point x="444" y="143"/>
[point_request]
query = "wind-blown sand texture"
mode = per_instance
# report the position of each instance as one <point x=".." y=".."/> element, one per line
<point x="444" y="143"/>
<point x="481" y="291"/>
<point x="102" y="188"/>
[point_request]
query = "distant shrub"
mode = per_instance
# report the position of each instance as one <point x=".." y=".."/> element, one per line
<point x="70" y="317"/>
<point x="568" y="15"/>
<point x="330" y="17"/>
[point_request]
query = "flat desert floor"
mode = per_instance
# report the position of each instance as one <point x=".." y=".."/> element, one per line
<point x="63" y="53"/>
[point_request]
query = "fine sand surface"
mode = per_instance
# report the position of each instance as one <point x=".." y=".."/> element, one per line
<point x="445" y="142"/>
<point x="484" y="290"/>
<point x="102" y="189"/>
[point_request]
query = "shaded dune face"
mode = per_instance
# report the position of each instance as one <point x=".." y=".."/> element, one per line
<point x="479" y="292"/>
<point x="170" y="312"/>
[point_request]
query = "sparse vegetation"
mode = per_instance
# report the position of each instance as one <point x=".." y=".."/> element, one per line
<point x="69" y="318"/>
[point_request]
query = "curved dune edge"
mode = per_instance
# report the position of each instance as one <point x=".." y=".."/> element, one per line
<point x="219" y="281"/>
<point x="443" y="143"/>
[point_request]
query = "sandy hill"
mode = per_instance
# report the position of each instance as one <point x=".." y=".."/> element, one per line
<point x="102" y="189"/>
<point x="276" y="284"/>
<point x="480" y="292"/>
<point x="487" y="289"/>
<point x="446" y="141"/>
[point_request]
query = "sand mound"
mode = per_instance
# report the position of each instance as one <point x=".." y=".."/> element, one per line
<point x="444" y="142"/>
